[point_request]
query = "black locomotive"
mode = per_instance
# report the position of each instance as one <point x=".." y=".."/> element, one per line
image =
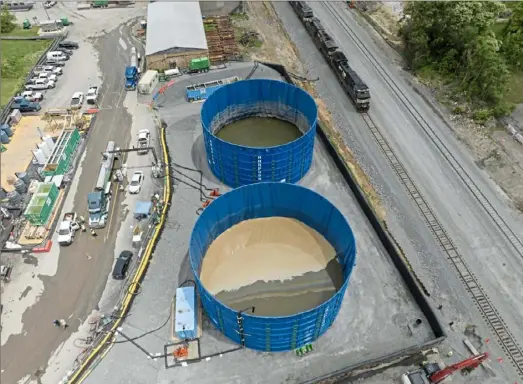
<point x="353" y="85"/>
<point x="302" y="9"/>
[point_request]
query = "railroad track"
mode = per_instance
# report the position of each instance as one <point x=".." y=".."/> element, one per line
<point x="483" y="303"/>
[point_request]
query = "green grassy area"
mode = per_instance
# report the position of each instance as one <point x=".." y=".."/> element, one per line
<point x="515" y="95"/>
<point x="20" y="32"/>
<point x="499" y="27"/>
<point x="18" y="57"/>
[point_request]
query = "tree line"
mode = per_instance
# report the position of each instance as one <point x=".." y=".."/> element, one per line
<point x="457" y="40"/>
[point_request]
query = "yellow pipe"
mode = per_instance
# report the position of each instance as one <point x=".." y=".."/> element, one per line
<point x="77" y="377"/>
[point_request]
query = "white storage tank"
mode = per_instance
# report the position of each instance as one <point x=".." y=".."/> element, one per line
<point x="45" y="149"/>
<point x="172" y="72"/>
<point x="15" y="116"/>
<point x="50" y="142"/>
<point x="39" y="156"/>
<point x="148" y="82"/>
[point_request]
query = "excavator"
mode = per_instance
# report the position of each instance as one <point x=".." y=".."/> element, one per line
<point x="432" y="374"/>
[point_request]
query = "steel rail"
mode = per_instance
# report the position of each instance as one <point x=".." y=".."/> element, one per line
<point x="431" y="133"/>
<point x="506" y="340"/>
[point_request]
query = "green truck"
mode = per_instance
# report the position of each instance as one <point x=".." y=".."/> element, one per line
<point x="100" y="3"/>
<point x="201" y="64"/>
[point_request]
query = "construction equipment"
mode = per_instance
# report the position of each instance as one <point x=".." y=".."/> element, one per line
<point x="432" y="374"/>
<point x="98" y="202"/>
<point x="470" y="363"/>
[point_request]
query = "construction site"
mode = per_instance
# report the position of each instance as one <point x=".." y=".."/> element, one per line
<point x="283" y="233"/>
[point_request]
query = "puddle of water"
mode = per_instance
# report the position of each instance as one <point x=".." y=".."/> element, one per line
<point x="259" y="132"/>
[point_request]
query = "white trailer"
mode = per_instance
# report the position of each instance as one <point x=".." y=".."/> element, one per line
<point x="148" y="82"/>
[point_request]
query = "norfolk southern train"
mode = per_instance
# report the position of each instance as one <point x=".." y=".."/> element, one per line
<point x="348" y="78"/>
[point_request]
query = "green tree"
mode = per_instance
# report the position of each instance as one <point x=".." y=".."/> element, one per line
<point x="456" y="39"/>
<point x="513" y="41"/>
<point x="484" y="74"/>
<point x="7" y="20"/>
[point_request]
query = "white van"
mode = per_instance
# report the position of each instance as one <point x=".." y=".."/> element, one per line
<point x="57" y="55"/>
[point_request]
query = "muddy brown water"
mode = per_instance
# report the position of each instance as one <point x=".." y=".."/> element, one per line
<point x="279" y="265"/>
<point x="259" y="132"/>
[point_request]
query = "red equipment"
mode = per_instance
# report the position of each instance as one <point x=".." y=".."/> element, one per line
<point x="471" y="362"/>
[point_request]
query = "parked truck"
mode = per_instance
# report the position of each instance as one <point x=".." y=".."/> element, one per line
<point x="24" y="105"/>
<point x="67" y="229"/>
<point x="143" y="141"/>
<point x="131" y="72"/>
<point x="98" y="202"/>
<point x="92" y="95"/>
<point x="201" y="64"/>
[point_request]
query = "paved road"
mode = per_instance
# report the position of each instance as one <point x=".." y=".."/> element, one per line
<point x="76" y="287"/>
<point x="485" y="249"/>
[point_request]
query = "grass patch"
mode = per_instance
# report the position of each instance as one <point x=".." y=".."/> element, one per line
<point x="20" y="32"/>
<point x="498" y="28"/>
<point x="18" y="57"/>
<point x="8" y="88"/>
<point x="515" y="95"/>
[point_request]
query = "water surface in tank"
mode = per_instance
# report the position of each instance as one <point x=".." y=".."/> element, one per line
<point x="279" y="265"/>
<point x="259" y="132"/>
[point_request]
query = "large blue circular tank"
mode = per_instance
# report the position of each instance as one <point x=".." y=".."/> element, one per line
<point x="264" y="200"/>
<point x="237" y="165"/>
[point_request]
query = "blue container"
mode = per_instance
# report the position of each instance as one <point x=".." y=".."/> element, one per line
<point x="266" y="200"/>
<point x="186" y="323"/>
<point x="237" y="165"/>
<point x="7" y="129"/>
<point x="3" y="137"/>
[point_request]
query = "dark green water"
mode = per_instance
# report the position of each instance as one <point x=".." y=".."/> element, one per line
<point x="259" y="132"/>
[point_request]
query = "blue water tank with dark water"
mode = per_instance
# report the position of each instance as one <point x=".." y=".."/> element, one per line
<point x="236" y="165"/>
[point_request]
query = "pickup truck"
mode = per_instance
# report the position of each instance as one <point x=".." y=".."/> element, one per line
<point x="67" y="228"/>
<point x="32" y="95"/>
<point x="23" y="105"/>
<point x="92" y="95"/>
<point x="143" y="141"/>
<point x="47" y="69"/>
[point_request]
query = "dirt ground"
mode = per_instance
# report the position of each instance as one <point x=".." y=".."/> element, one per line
<point x="276" y="47"/>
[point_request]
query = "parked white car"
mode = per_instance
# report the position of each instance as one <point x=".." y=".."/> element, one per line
<point x="48" y="76"/>
<point x="53" y="70"/>
<point x="49" y="4"/>
<point x="32" y="96"/>
<point x="40" y="84"/>
<point x="77" y="100"/>
<point x="136" y="183"/>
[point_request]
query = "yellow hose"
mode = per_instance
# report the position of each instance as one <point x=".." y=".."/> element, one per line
<point x="77" y="377"/>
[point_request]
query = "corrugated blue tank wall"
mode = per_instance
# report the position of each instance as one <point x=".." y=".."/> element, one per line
<point x="267" y="200"/>
<point x="237" y="165"/>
